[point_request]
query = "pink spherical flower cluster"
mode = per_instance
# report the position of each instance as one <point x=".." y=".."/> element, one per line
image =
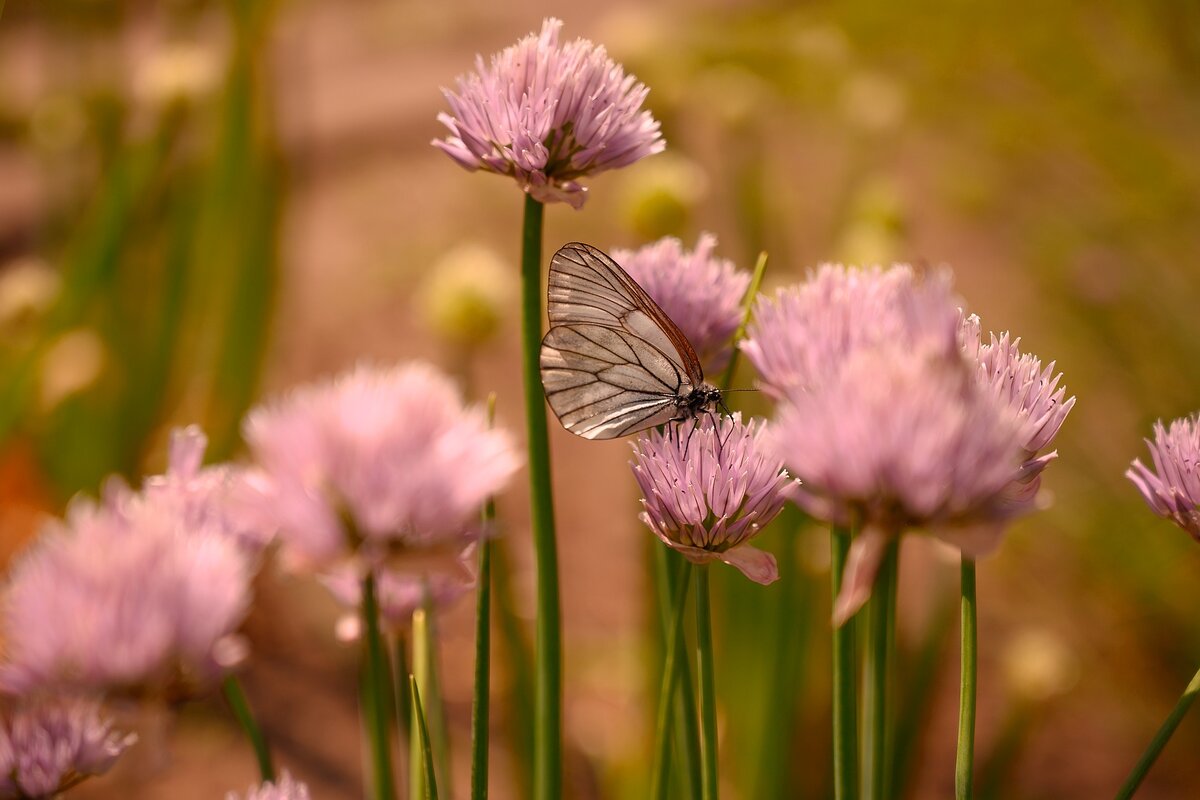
<point x="708" y="488"/>
<point x="547" y="114"/>
<point x="1172" y="488"/>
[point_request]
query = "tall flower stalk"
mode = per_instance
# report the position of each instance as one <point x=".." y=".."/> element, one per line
<point x="845" y="725"/>
<point x="546" y="115"/>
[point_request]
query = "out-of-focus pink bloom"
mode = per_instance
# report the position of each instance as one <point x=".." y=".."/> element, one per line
<point x="377" y="462"/>
<point x="899" y="439"/>
<point x="701" y="293"/>
<point x="401" y="592"/>
<point x="124" y="597"/>
<point x="708" y="488"/>
<point x="49" y="744"/>
<point x="803" y="335"/>
<point x="285" y="788"/>
<point x="547" y="115"/>
<point x="1172" y="488"/>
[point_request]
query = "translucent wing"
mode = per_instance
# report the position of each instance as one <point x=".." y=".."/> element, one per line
<point x="586" y="286"/>
<point x="612" y="363"/>
<point x="603" y="382"/>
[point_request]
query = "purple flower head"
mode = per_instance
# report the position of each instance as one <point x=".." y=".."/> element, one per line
<point x="701" y="293"/>
<point x="285" y="788"/>
<point x="400" y="592"/>
<point x="378" y="461"/>
<point x="49" y="744"/>
<point x="1172" y="488"/>
<point x="804" y="333"/>
<point x="708" y="488"/>
<point x="1034" y="392"/>
<point x="901" y="439"/>
<point x="121" y="598"/>
<point x="547" y="114"/>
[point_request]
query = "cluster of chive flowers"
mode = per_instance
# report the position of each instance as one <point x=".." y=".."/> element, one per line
<point x="141" y="594"/>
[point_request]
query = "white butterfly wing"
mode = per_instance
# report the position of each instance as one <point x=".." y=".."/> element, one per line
<point x="612" y="363"/>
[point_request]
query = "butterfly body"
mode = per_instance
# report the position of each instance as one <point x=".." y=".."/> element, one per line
<point x="613" y="363"/>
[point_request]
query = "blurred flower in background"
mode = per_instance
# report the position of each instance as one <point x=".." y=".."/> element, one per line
<point x="50" y="744"/>
<point x="125" y="596"/>
<point x="660" y="197"/>
<point x="548" y="114"/>
<point x="378" y="466"/>
<point x="708" y="488"/>
<point x="400" y="592"/>
<point x="1172" y="488"/>
<point x="467" y="295"/>
<point x="700" y="292"/>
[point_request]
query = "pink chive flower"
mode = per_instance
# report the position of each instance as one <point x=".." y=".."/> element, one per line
<point x="708" y="488"/>
<point x="285" y="788"/>
<point x="899" y="440"/>
<point x="701" y="293"/>
<point x="119" y="598"/>
<point x="375" y="462"/>
<point x="547" y="114"/>
<point x="1033" y="391"/>
<point x="1172" y="488"/>
<point x="50" y="744"/>
<point x="804" y="333"/>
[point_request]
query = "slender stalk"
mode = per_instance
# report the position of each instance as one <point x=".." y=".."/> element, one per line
<point x="428" y="789"/>
<point x="425" y="670"/>
<point x="670" y="680"/>
<point x="876" y="667"/>
<point x="845" y="729"/>
<point x="964" y="766"/>
<point x="1160" y="739"/>
<point x="708" y="687"/>
<point x="670" y="571"/>
<point x="480" y="709"/>
<point x="547" y="737"/>
<point x="232" y="689"/>
<point x="377" y="695"/>
<point x="760" y="268"/>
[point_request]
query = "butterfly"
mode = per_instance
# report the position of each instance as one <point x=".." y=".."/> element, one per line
<point x="613" y="363"/>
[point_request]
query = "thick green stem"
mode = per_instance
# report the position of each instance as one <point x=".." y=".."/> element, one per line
<point x="881" y="621"/>
<point x="547" y="742"/>
<point x="964" y="766"/>
<point x="377" y="694"/>
<point x="236" y="698"/>
<point x="670" y="680"/>
<point x="1160" y="739"/>
<point x="708" y="687"/>
<point x="845" y="728"/>
<point x="670" y="569"/>
<point x="483" y="661"/>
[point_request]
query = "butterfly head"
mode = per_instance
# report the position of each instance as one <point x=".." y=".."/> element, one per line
<point x="704" y="397"/>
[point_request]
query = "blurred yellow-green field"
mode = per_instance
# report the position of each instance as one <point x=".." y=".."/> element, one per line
<point x="204" y="203"/>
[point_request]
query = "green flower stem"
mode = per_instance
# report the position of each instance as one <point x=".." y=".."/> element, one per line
<point x="483" y="643"/>
<point x="760" y="268"/>
<point x="425" y="670"/>
<point x="376" y="694"/>
<point x="1160" y="739"/>
<point x="965" y="763"/>
<point x="670" y="680"/>
<point x="881" y="622"/>
<point x="547" y="741"/>
<point x="708" y="687"/>
<point x="232" y="689"/>
<point x="669" y="571"/>
<point x="428" y="787"/>
<point x="845" y="730"/>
